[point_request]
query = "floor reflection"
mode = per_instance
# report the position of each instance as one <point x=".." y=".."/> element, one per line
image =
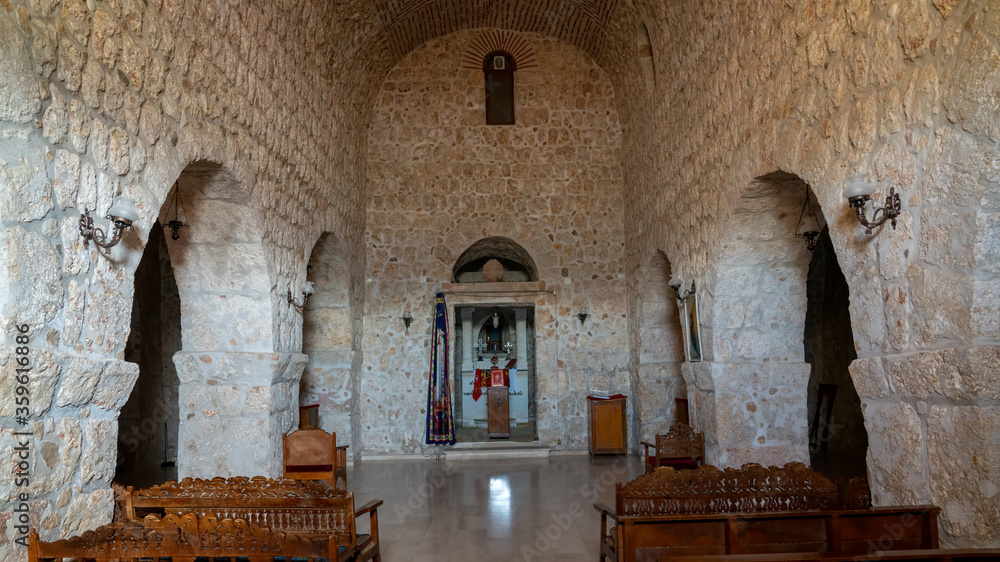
<point x="503" y="510"/>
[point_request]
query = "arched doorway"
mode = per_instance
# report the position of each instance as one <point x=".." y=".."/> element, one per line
<point x="838" y="440"/>
<point x="148" y="423"/>
<point x="494" y="372"/>
<point x="328" y="339"/>
<point x="755" y="388"/>
<point x="236" y="395"/>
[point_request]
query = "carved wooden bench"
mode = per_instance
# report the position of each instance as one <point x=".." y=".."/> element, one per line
<point x="751" y="510"/>
<point x="680" y="447"/>
<point x="306" y="508"/>
<point x="923" y="555"/>
<point x="181" y="538"/>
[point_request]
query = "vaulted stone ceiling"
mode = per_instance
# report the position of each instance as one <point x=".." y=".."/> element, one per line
<point x="409" y="23"/>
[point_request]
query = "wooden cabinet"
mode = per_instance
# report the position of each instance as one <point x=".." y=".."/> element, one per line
<point x="608" y="427"/>
<point x="498" y="412"/>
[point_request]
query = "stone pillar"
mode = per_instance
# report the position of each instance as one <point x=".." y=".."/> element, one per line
<point x="749" y="412"/>
<point x="521" y="323"/>
<point x="467" y="339"/>
<point x="234" y="407"/>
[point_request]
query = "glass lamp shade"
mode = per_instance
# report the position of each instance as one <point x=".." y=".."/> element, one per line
<point x="809" y="224"/>
<point x="858" y="186"/>
<point x="308" y="288"/>
<point x="123" y="211"/>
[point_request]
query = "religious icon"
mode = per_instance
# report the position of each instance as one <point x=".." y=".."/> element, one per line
<point x="692" y="332"/>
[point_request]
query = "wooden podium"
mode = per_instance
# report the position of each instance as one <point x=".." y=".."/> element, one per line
<point x="498" y="412"/>
<point x="608" y="427"/>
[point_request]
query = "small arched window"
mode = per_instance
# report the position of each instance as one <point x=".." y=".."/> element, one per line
<point x="498" y="70"/>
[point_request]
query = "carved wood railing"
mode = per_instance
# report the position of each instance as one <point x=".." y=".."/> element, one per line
<point x="751" y="488"/>
<point x="181" y="537"/>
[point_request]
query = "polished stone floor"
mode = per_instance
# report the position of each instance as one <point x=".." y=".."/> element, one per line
<point x="497" y="510"/>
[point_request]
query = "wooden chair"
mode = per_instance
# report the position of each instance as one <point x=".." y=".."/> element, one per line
<point x="313" y="454"/>
<point x="182" y="538"/>
<point x="679" y="448"/>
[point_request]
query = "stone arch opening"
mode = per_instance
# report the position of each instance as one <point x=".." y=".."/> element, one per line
<point x="838" y="441"/>
<point x="660" y="351"/>
<point x="517" y="262"/>
<point x="328" y="338"/>
<point x="148" y="423"/>
<point x="755" y="402"/>
<point x="236" y="396"/>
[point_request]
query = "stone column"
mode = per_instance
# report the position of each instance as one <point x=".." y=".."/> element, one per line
<point x="467" y="339"/>
<point x="749" y="412"/>
<point x="521" y="323"/>
<point x="234" y="407"/>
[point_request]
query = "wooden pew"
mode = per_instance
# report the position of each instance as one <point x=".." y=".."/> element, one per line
<point x="751" y="510"/>
<point x="923" y="555"/>
<point x="181" y="538"/>
<point x="305" y="508"/>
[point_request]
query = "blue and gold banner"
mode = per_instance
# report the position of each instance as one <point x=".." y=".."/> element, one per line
<point x="440" y="424"/>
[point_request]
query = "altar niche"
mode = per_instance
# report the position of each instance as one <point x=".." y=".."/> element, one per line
<point x="495" y="373"/>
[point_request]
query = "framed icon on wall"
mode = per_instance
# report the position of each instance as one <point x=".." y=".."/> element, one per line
<point x="692" y="329"/>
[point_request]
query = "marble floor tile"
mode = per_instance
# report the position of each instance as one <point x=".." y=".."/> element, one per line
<point x="498" y="510"/>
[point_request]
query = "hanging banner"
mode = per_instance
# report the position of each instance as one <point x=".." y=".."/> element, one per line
<point x="440" y="424"/>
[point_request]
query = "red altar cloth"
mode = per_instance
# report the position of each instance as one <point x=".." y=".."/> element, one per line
<point x="486" y="378"/>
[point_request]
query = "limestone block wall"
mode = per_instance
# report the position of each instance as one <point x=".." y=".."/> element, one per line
<point x="106" y="99"/>
<point x="902" y="92"/>
<point x="440" y="179"/>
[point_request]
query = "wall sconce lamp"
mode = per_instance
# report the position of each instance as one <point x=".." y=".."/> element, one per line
<point x="583" y="317"/>
<point x="307" y="291"/>
<point x="808" y="227"/>
<point x="407" y="319"/>
<point x="675" y="284"/>
<point x="858" y="191"/>
<point x="122" y="216"/>
<point x="496" y="319"/>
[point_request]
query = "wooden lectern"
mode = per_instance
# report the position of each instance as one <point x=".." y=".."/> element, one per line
<point x="498" y="406"/>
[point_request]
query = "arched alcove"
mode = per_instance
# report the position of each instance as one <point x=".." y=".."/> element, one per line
<point x="645" y="52"/>
<point x="517" y="262"/>
<point x="328" y="338"/>
<point x="756" y="397"/>
<point x="236" y="395"/>
<point x="661" y="350"/>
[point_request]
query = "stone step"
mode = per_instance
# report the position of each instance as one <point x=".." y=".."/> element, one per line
<point x="497" y="450"/>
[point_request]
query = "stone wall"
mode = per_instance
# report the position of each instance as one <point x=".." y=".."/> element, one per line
<point x="106" y="99"/>
<point x="901" y="92"/>
<point x="440" y="179"/>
